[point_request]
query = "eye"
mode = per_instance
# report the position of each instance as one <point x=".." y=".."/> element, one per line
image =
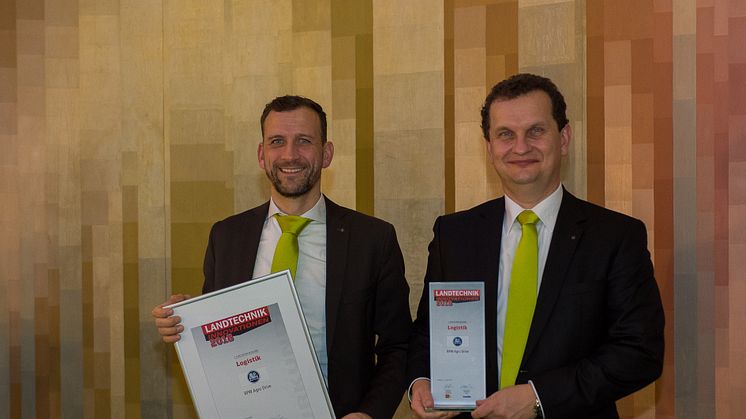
<point x="304" y="140"/>
<point x="504" y="134"/>
<point x="276" y="141"/>
<point x="536" y="131"/>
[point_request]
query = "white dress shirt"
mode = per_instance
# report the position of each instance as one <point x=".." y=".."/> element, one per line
<point x="547" y="211"/>
<point x="310" y="274"/>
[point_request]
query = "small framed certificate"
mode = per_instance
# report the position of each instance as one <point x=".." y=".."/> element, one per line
<point x="246" y="353"/>
<point x="457" y="355"/>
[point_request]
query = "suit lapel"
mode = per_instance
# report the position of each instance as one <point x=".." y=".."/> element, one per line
<point x="489" y="231"/>
<point x="337" y="236"/>
<point x="252" y="226"/>
<point x="567" y="234"/>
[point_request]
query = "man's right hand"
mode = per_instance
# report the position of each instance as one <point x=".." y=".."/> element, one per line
<point x="169" y="325"/>
<point x="422" y="399"/>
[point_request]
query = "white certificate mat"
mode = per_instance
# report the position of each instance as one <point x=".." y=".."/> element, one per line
<point x="457" y="356"/>
<point x="247" y="354"/>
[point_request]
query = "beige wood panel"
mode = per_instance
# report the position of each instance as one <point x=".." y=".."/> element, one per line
<point x="258" y="68"/>
<point x="100" y="134"/>
<point x="60" y="61"/>
<point x="408" y="125"/>
<point x="471" y="168"/>
<point x="618" y="111"/>
<point x="343" y="129"/>
<point x="31" y="155"/>
<point x="194" y="39"/>
<point x="9" y="210"/>
<point x="146" y="230"/>
<point x="350" y="179"/>
<point x="63" y="127"/>
<point x="557" y="51"/>
<point x="311" y="64"/>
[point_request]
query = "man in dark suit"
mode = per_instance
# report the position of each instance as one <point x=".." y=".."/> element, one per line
<point x="595" y="333"/>
<point x="350" y="271"/>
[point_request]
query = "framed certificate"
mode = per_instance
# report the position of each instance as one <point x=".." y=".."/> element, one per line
<point x="246" y="353"/>
<point x="457" y="357"/>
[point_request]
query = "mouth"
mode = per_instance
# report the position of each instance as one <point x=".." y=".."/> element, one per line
<point x="290" y="170"/>
<point x="523" y="163"/>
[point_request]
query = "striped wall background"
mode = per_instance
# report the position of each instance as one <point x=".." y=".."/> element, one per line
<point x="127" y="127"/>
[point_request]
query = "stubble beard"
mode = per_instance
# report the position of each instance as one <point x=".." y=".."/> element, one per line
<point x="310" y="176"/>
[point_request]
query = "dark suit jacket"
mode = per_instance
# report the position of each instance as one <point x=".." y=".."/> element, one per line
<point x="367" y="297"/>
<point x="597" y="330"/>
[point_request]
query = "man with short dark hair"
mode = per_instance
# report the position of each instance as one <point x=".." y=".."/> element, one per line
<point x="350" y="271"/>
<point x="587" y="329"/>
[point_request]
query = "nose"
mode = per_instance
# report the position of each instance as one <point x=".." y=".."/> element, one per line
<point x="289" y="151"/>
<point x="521" y="145"/>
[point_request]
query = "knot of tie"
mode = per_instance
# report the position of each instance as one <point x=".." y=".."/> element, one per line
<point x="527" y="217"/>
<point x="292" y="224"/>
<point x="286" y="252"/>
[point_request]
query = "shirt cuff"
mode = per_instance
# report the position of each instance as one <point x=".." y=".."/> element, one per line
<point x="536" y="393"/>
<point x="409" y="389"/>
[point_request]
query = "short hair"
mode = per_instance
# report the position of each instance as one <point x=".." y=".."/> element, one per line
<point x="291" y="103"/>
<point x="519" y="85"/>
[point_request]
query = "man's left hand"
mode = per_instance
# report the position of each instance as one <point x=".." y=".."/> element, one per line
<point x="516" y="402"/>
<point x="357" y="415"/>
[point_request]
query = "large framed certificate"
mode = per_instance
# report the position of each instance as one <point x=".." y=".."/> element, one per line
<point x="457" y="356"/>
<point x="247" y="354"/>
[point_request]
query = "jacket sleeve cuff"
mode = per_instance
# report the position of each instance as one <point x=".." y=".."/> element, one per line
<point x="536" y="393"/>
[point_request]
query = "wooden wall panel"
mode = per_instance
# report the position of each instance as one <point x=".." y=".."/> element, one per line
<point x="720" y="155"/>
<point x="31" y="163"/>
<point x="198" y="165"/>
<point x="656" y="134"/>
<point x="558" y="52"/>
<point x="353" y="170"/>
<point x="145" y="232"/>
<point x="10" y="380"/>
<point x="100" y="165"/>
<point x="63" y="120"/>
<point x="689" y="283"/>
<point x="636" y="142"/>
<point x="473" y="174"/>
<point x="408" y="125"/>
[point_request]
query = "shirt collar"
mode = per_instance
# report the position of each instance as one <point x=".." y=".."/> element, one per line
<point x="317" y="213"/>
<point x="546" y="210"/>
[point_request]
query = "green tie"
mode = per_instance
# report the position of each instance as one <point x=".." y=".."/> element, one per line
<point x="521" y="299"/>
<point x="286" y="252"/>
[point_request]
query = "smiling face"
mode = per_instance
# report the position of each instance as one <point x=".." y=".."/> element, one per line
<point x="526" y="147"/>
<point x="292" y="155"/>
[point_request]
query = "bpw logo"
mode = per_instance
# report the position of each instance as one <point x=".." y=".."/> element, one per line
<point x="253" y="376"/>
<point x="457" y="342"/>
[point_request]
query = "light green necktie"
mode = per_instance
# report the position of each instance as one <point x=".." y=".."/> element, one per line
<point x="286" y="252"/>
<point x="521" y="299"/>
